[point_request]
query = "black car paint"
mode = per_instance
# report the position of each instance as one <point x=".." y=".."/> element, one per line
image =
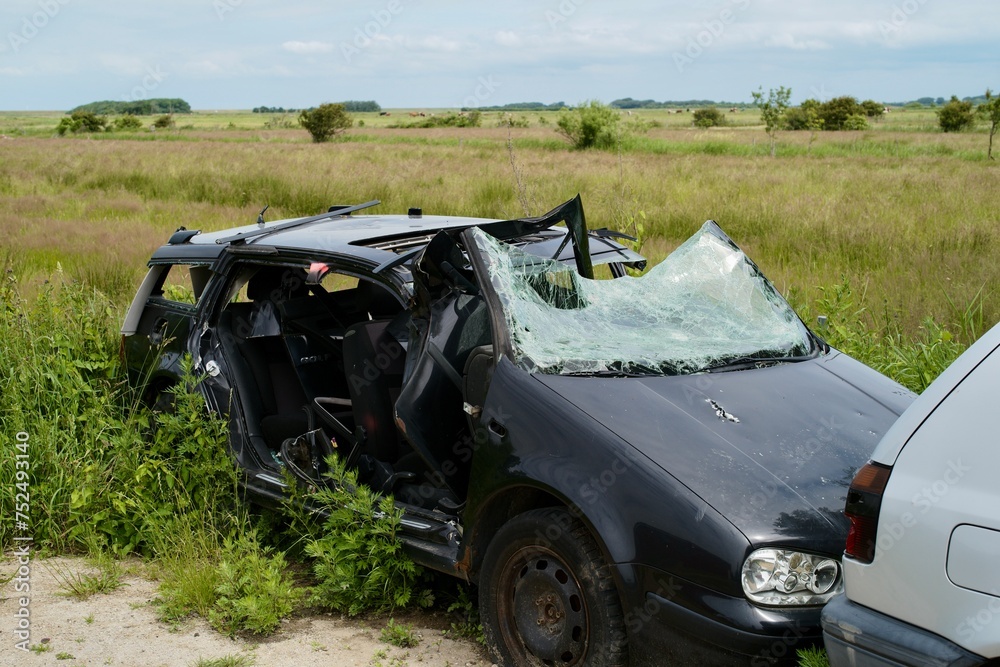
<point x="660" y="533"/>
<point x="664" y="483"/>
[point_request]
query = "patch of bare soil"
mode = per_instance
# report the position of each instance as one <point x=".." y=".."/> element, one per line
<point x="122" y="628"/>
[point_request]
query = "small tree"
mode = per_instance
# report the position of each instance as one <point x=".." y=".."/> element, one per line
<point x="956" y="115"/>
<point x="990" y="110"/>
<point x="709" y="117"/>
<point x="772" y="111"/>
<point x="325" y="121"/>
<point x="590" y="125"/>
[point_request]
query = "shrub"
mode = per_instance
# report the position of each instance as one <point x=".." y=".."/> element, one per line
<point x="804" y="117"/>
<point x="164" y="122"/>
<point x="873" y="109"/>
<point x="590" y="125"/>
<point x="325" y="121"/>
<point x="708" y="117"/>
<point x="834" y="113"/>
<point x="956" y="115"/>
<point x="127" y="123"/>
<point x="82" y="121"/>
<point x="856" y="122"/>
<point x="510" y="120"/>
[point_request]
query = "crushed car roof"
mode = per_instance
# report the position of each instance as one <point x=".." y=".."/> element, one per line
<point x="376" y="238"/>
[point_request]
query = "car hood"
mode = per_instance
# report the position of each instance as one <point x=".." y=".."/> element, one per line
<point x="772" y="449"/>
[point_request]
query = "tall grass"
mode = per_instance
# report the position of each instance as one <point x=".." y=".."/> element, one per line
<point x="917" y="228"/>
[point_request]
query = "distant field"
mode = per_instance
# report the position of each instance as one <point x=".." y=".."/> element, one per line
<point x="13" y="123"/>
<point x="904" y="212"/>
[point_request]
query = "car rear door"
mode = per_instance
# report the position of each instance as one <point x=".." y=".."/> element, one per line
<point x="159" y="321"/>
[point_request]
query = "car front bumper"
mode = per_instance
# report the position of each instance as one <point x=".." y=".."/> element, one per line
<point x="857" y="636"/>
<point x="675" y="622"/>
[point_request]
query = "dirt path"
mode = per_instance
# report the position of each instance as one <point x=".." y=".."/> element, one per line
<point x="121" y="628"/>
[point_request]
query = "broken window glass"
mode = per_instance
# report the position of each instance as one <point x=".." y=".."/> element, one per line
<point x="706" y="304"/>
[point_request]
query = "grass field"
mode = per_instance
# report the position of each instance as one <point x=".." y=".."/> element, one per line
<point x="891" y="232"/>
<point x="906" y="214"/>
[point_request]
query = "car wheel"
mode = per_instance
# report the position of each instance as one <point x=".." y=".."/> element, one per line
<point x="547" y="596"/>
<point x="162" y="398"/>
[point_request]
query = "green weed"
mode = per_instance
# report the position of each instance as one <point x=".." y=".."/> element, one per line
<point x="241" y="660"/>
<point x="398" y="634"/>
<point x="465" y="611"/>
<point x="358" y="559"/>
<point x="812" y="657"/>
<point x="254" y="592"/>
<point x="81" y="585"/>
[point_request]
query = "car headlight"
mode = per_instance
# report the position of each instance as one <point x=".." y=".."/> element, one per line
<point x="780" y="577"/>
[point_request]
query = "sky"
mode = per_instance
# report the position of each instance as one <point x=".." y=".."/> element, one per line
<point x="238" y="54"/>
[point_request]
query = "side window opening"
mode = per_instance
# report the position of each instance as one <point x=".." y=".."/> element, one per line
<point x="182" y="283"/>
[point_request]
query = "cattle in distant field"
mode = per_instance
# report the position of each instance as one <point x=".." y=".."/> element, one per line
<point x="383" y="113"/>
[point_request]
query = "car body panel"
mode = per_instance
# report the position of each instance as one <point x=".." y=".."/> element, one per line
<point x="769" y="466"/>
<point x="936" y="546"/>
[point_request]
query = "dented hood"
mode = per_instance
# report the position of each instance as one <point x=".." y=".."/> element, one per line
<point x="772" y="449"/>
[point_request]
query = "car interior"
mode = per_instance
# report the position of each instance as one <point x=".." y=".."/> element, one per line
<point x="320" y="371"/>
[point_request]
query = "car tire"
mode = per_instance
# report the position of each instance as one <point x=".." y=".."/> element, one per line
<point x="547" y="597"/>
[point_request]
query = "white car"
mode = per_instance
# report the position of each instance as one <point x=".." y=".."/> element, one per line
<point x="922" y="564"/>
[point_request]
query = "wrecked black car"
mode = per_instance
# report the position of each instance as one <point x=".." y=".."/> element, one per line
<point x="633" y="470"/>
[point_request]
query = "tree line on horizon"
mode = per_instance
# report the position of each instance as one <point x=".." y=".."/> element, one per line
<point x="150" y="107"/>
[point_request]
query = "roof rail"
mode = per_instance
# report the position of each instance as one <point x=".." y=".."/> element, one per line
<point x="242" y="237"/>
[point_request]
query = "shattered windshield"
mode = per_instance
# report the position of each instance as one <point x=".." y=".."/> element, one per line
<point x="705" y="305"/>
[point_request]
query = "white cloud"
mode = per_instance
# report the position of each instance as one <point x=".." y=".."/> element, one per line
<point x="788" y="41"/>
<point x="507" y="38"/>
<point x="308" y="48"/>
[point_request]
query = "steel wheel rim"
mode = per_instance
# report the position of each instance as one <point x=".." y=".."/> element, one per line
<point x="543" y="611"/>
